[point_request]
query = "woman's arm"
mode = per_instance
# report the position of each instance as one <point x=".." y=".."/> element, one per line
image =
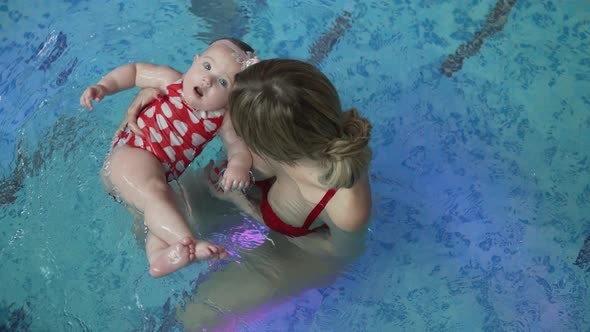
<point x="142" y="99"/>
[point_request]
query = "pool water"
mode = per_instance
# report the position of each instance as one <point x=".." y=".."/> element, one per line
<point x="480" y="177"/>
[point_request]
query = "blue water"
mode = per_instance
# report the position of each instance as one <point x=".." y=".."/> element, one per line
<point x="481" y="181"/>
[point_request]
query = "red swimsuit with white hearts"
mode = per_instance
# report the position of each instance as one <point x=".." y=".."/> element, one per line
<point x="173" y="131"/>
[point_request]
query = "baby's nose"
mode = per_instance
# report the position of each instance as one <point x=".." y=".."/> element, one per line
<point x="206" y="81"/>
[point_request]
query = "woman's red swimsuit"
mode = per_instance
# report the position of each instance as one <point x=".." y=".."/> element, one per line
<point x="275" y="223"/>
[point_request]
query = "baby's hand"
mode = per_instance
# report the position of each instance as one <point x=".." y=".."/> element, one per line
<point x="236" y="178"/>
<point x="96" y="92"/>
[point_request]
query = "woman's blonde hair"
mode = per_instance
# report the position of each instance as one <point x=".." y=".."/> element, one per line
<point x="287" y="110"/>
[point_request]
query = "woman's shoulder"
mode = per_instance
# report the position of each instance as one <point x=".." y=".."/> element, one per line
<point x="350" y="208"/>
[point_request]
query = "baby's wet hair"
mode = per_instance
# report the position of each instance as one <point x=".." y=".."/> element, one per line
<point x="239" y="43"/>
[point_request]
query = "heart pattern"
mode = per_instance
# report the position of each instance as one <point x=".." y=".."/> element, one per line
<point x="175" y="140"/>
<point x="155" y="136"/>
<point x="162" y="124"/>
<point x="209" y="126"/>
<point x="180" y="127"/>
<point x="138" y="141"/>
<point x="180" y="166"/>
<point x="189" y="154"/>
<point x="170" y="153"/>
<point x="166" y="110"/>
<point x="197" y="139"/>
<point x="193" y="117"/>
<point x="176" y="101"/>
<point x="150" y="112"/>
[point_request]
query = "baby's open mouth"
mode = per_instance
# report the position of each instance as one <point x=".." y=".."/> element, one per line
<point x="198" y="91"/>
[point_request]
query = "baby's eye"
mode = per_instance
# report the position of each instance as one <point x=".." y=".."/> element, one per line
<point x="222" y="82"/>
<point x="207" y="65"/>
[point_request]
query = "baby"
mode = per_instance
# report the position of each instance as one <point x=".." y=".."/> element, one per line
<point x="173" y="129"/>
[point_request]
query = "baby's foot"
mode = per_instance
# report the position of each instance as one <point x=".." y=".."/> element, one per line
<point x="207" y="250"/>
<point x="173" y="258"/>
<point x="190" y="243"/>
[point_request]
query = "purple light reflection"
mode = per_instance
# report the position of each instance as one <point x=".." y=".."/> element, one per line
<point x="248" y="235"/>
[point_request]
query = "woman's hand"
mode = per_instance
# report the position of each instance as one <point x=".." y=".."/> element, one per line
<point x="143" y="98"/>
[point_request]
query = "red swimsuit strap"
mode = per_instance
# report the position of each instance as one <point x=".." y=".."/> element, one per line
<point x="318" y="208"/>
<point x="275" y="223"/>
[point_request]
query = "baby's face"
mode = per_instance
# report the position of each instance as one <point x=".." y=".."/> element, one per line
<point x="208" y="82"/>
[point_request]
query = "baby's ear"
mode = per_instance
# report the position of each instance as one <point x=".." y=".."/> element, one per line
<point x="197" y="56"/>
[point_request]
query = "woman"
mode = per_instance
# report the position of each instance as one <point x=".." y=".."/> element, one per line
<point x="305" y="149"/>
<point x="310" y="161"/>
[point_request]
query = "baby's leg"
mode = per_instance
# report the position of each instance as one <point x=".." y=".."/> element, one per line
<point x="137" y="176"/>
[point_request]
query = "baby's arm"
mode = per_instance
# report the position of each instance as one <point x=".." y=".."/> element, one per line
<point x="239" y="158"/>
<point x="143" y="75"/>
